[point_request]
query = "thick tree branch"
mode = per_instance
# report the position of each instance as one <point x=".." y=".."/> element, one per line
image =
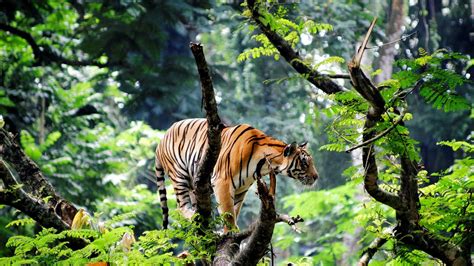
<point x="261" y="236"/>
<point x="371" y="171"/>
<point x="228" y="247"/>
<point x="28" y="189"/>
<point x="422" y="239"/>
<point x="321" y="81"/>
<point x="44" y="55"/>
<point x="202" y="184"/>
<point x="259" y="233"/>
<point x="339" y="76"/>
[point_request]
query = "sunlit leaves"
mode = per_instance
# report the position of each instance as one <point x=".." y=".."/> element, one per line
<point x="267" y="49"/>
<point x="456" y="145"/>
<point x="453" y="212"/>
<point x="439" y="83"/>
<point x="339" y="147"/>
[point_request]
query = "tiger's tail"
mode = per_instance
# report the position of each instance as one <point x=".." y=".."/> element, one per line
<point x="160" y="182"/>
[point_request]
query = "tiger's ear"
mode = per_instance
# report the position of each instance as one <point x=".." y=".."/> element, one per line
<point x="289" y="149"/>
<point x="303" y="145"/>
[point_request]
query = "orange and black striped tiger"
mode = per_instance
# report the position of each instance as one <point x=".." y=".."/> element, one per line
<point x="246" y="153"/>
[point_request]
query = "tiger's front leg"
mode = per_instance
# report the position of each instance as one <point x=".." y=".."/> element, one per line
<point x="225" y="201"/>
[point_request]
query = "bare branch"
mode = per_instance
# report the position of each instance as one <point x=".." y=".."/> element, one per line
<point x="403" y="38"/>
<point x="360" y="52"/>
<point x="361" y="83"/>
<point x="291" y="221"/>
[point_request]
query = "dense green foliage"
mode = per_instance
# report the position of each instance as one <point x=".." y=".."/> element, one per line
<point x="109" y="77"/>
<point x="112" y="241"/>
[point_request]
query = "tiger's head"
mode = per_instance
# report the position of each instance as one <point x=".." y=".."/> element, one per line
<point x="300" y="164"/>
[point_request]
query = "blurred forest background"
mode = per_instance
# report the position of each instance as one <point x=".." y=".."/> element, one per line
<point x="90" y="87"/>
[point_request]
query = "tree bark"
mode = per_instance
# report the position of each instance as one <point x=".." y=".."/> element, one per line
<point x="202" y="183"/>
<point x="26" y="189"/>
<point x="371" y="250"/>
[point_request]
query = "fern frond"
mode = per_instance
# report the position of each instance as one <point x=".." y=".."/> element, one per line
<point x="20" y="222"/>
<point x="456" y="145"/>
<point x="339" y="147"/>
<point x="120" y="218"/>
<point x="443" y="99"/>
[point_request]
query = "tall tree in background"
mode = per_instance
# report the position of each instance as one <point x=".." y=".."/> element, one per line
<point x="393" y="33"/>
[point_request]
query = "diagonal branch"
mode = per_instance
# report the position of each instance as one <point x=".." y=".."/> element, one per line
<point x="371" y="250"/>
<point x="44" y="54"/>
<point x="321" y="81"/>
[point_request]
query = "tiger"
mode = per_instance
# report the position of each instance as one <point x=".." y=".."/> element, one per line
<point x="246" y="153"/>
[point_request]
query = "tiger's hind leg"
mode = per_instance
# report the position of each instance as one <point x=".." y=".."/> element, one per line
<point x="184" y="195"/>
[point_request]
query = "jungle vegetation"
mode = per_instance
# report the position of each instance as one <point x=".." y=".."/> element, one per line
<point x="88" y="88"/>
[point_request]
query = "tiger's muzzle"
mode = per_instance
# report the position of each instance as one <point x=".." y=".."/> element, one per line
<point x="309" y="180"/>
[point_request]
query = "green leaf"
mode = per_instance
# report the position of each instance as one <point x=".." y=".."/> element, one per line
<point x="51" y="139"/>
<point x="28" y="143"/>
<point x="20" y="222"/>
